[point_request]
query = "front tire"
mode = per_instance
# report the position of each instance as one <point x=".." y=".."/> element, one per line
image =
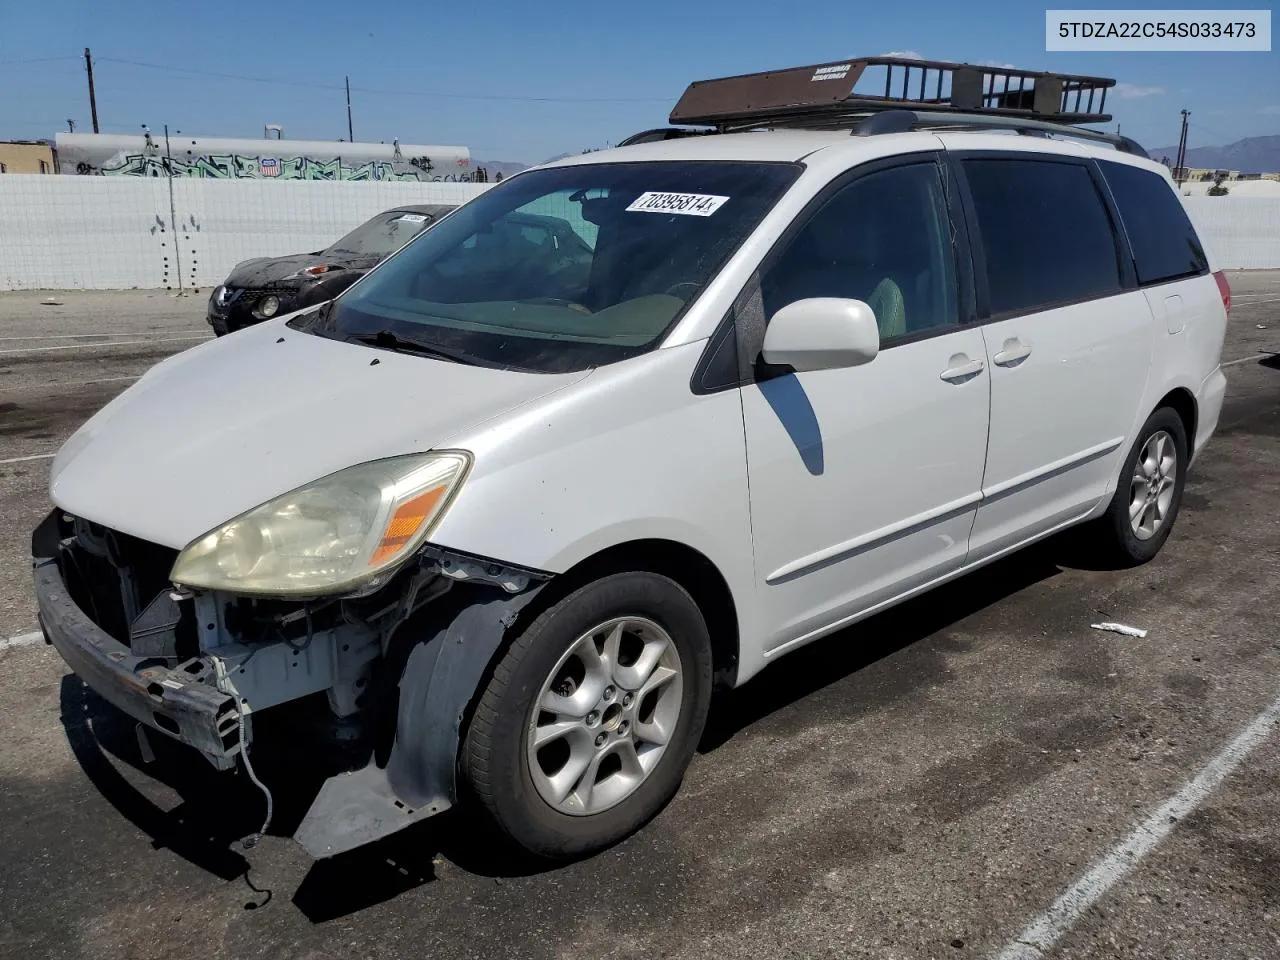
<point x="591" y="717"/>
<point x="1147" y="498"/>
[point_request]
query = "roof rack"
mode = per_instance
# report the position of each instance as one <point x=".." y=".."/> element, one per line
<point x="900" y="121"/>
<point x="779" y="96"/>
<point x="918" y="94"/>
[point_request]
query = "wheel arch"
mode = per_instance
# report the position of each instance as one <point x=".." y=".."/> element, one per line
<point x="687" y="566"/>
<point x="1183" y="402"/>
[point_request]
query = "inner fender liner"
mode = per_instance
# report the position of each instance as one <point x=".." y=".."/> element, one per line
<point x="441" y="675"/>
<point x="440" y="678"/>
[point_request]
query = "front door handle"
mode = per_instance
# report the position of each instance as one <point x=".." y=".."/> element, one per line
<point x="961" y="369"/>
<point x="1012" y="353"/>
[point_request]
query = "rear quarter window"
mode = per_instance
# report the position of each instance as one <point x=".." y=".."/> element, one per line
<point x="1164" y="243"/>
<point x="1047" y="237"/>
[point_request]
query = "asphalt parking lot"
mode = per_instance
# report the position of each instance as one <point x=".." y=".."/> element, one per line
<point x="970" y="770"/>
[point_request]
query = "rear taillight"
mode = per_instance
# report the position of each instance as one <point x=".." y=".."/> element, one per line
<point x="1224" y="288"/>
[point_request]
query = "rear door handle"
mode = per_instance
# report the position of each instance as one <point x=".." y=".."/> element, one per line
<point x="962" y="369"/>
<point x="1012" y="353"/>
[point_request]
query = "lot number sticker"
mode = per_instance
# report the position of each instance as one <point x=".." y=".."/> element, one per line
<point x="690" y="204"/>
<point x="412" y="218"/>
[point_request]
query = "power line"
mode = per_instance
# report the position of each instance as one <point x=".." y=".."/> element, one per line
<point x="1227" y="138"/>
<point x="478" y="96"/>
<point x="12" y="63"/>
<point x="220" y="76"/>
<point x="407" y="93"/>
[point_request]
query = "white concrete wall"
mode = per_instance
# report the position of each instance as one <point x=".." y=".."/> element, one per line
<point x="100" y="233"/>
<point x="1242" y="232"/>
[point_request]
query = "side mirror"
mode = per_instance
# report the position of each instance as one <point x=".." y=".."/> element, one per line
<point x="822" y="333"/>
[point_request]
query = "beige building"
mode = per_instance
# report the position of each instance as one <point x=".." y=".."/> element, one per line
<point x="26" y="156"/>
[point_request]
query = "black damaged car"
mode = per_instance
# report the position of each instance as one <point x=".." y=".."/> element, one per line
<point x="266" y="287"/>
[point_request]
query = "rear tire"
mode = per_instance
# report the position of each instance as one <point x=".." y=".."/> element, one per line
<point x="562" y="753"/>
<point x="1149" y="493"/>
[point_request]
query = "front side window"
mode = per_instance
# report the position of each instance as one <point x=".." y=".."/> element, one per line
<point x="885" y="239"/>
<point x="1165" y="245"/>
<point x="1045" y="231"/>
<point x="564" y="268"/>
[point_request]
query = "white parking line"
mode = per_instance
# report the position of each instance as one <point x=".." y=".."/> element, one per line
<point x="81" y="383"/>
<point x="92" y="346"/>
<point x="1253" y="303"/>
<point x="1048" y="928"/>
<point x="22" y="640"/>
<point x="55" y="384"/>
<point x="147" y="333"/>
<point x="1256" y="356"/>
<point x="34" y="456"/>
<point x="75" y="336"/>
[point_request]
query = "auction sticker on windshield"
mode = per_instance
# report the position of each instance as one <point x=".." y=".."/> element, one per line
<point x="690" y="204"/>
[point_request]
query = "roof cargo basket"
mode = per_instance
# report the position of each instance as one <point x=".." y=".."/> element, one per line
<point x="823" y="95"/>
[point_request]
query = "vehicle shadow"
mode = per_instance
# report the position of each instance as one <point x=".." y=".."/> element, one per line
<point x="836" y="657"/>
<point x="215" y="810"/>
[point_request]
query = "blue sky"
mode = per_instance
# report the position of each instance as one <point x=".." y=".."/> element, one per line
<point x="524" y="81"/>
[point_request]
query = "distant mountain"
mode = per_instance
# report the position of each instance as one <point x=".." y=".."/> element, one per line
<point x="1250" y="155"/>
<point x="505" y="167"/>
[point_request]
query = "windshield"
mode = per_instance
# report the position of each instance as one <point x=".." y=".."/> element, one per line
<point x="565" y="268"/>
<point x="384" y="234"/>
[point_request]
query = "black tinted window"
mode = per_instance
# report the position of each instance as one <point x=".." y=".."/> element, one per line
<point x="884" y="239"/>
<point x="1164" y="242"/>
<point x="1046" y="233"/>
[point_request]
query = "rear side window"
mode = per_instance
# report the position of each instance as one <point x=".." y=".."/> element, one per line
<point x="1165" y="245"/>
<point x="1046" y="233"/>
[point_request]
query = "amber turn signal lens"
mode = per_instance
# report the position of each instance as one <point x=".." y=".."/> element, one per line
<point x="404" y="523"/>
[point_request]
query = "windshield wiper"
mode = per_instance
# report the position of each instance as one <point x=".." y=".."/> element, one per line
<point x="393" y="341"/>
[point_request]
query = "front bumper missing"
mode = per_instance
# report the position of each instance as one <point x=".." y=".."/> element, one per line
<point x="180" y="702"/>
<point x="439" y="662"/>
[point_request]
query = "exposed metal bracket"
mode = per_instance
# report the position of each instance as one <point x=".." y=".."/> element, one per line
<point x="469" y="569"/>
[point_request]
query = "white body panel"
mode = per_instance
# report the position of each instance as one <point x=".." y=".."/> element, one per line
<point x="864" y="481"/>
<point x="1060" y="416"/>
<point x="566" y="466"/>
<point x="629" y="453"/>
<point x="225" y="426"/>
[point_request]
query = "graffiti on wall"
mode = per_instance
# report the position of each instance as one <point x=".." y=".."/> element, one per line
<point x="244" y="167"/>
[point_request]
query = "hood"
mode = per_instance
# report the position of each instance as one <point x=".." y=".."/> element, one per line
<point x="268" y="270"/>
<point x="225" y="426"/>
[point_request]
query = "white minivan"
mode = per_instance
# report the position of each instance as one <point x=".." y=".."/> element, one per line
<point x="511" y="509"/>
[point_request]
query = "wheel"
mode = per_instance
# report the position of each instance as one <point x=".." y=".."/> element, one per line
<point x="1145" y="506"/>
<point x="591" y="717"/>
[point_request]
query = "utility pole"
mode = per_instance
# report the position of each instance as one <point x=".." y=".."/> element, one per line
<point x="93" y="100"/>
<point x="350" y="136"/>
<point x="173" y="216"/>
<point x="1180" y="167"/>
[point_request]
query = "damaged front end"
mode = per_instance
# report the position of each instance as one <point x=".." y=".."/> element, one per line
<point x="396" y="668"/>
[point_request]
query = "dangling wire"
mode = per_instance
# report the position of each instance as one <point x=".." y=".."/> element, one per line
<point x="253" y="839"/>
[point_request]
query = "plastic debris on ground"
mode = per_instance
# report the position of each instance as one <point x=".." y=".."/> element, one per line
<point x="1120" y="628"/>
